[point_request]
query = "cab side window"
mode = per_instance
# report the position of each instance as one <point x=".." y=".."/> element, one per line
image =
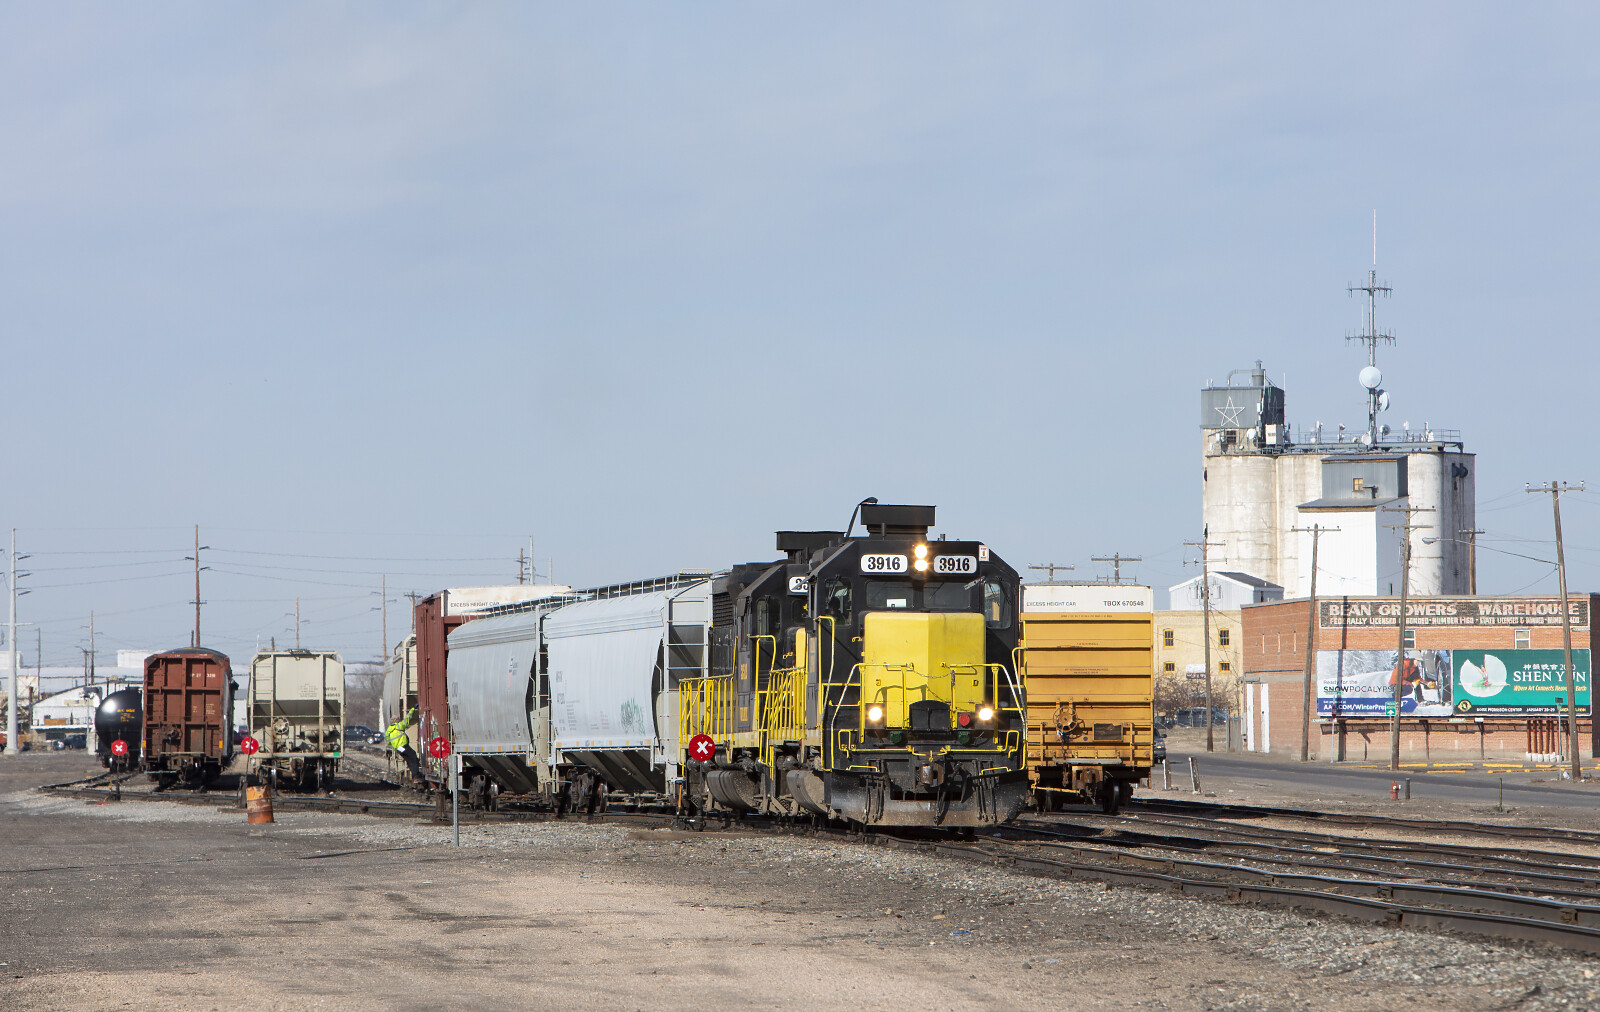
<point x="767" y="617"/>
<point x="836" y="599"/>
<point x="996" y="606"/>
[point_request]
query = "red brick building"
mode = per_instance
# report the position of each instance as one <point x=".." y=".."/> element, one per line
<point x="1483" y="677"/>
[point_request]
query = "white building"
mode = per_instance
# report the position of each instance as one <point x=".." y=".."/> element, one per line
<point x="1229" y="592"/>
<point x="1259" y="485"/>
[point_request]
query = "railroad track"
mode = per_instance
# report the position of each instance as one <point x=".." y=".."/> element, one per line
<point x="1198" y="808"/>
<point x="1550" y="898"/>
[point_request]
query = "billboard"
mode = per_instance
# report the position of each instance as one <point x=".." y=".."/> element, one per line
<point x="1517" y="681"/>
<point x="1445" y="683"/>
<point x="1360" y="683"/>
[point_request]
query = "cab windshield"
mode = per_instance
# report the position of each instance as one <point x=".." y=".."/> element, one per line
<point x="932" y="595"/>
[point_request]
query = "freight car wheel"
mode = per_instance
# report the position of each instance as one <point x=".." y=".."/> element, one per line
<point x="1110" y="797"/>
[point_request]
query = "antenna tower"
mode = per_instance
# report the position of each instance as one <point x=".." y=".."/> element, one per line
<point x="1371" y="377"/>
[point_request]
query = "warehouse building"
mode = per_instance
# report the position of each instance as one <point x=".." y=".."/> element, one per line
<point x="1483" y="677"/>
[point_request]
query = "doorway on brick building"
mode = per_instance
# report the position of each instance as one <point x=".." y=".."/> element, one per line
<point x="1257" y="722"/>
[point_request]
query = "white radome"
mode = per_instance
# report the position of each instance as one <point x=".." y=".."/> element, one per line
<point x="1370" y="376"/>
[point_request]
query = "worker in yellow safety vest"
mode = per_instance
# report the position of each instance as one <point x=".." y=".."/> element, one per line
<point x="401" y="742"/>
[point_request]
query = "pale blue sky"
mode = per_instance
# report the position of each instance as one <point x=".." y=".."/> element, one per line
<point x="359" y="285"/>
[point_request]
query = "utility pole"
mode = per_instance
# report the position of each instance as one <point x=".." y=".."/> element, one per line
<point x="1116" y="559"/>
<point x="522" y="568"/>
<point x="1555" y="488"/>
<point x="1051" y="568"/>
<point x="198" y="548"/>
<point x="1472" y="559"/>
<point x="90" y="740"/>
<point x="1204" y="544"/>
<point x="383" y="604"/>
<point x="297" y="623"/>
<point x="1405" y="530"/>
<point x="11" y="644"/>
<point x="413" y="595"/>
<point x="1316" y="531"/>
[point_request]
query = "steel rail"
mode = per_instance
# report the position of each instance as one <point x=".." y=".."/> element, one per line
<point x="1476" y="900"/>
<point x="1380" y="910"/>
<point x="1508" y="859"/>
<point x="1394" y="870"/>
<point x="1391" y="866"/>
<point x="1351" y="819"/>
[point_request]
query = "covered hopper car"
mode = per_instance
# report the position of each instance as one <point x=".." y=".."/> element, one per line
<point x="297" y="715"/>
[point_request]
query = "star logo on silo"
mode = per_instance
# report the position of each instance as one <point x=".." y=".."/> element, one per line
<point x="1230" y="413"/>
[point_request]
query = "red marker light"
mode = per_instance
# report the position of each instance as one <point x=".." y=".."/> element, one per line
<point x="964" y="719"/>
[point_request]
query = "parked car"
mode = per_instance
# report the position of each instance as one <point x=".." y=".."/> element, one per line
<point x="1159" y="751"/>
<point x="1196" y="716"/>
<point x="359" y="734"/>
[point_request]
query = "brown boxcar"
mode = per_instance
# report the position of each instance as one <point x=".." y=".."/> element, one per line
<point x="188" y="708"/>
<point x="433" y="702"/>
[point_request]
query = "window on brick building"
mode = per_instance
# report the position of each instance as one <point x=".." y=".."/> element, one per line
<point x="1166" y="637"/>
<point x="1411" y="638"/>
<point x="1521" y="638"/>
<point x="1169" y="667"/>
<point x="1222" y="637"/>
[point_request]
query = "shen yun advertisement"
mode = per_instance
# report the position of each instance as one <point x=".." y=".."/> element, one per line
<point x="1445" y="683"/>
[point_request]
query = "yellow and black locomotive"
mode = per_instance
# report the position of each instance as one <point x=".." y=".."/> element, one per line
<point x="869" y="679"/>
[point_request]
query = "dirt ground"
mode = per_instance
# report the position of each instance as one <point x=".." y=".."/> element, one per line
<point x="159" y="905"/>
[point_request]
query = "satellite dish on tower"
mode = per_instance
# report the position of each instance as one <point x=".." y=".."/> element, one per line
<point x="1370" y="376"/>
<point x="1383" y="430"/>
<point x="1383" y="400"/>
<point x="1365" y="439"/>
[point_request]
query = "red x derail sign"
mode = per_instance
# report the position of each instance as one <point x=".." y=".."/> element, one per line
<point x="702" y="748"/>
<point x="439" y="747"/>
<point x="249" y="746"/>
<point x="119" y="748"/>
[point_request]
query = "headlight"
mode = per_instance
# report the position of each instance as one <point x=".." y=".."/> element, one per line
<point x="920" y="565"/>
<point x="921" y="551"/>
<point x="985" y="713"/>
<point x="874" y="714"/>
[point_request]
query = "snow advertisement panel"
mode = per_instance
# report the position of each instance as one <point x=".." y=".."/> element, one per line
<point x="1360" y="683"/>
<point x="1517" y="681"/>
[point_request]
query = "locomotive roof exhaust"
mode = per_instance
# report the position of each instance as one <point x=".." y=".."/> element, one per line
<point x="888" y="521"/>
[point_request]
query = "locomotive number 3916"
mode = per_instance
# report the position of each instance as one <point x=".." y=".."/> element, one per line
<point x="955" y="564"/>
<point x="883" y="563"/>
